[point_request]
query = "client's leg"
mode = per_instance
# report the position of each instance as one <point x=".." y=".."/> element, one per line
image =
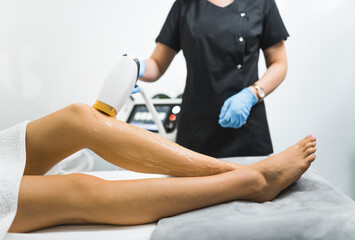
<point x="60" y="134"/>
<point x="51" y="200"/>
<point x="77" y="198"/>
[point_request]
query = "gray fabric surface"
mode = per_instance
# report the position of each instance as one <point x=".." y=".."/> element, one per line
<point x="310" y="209"/>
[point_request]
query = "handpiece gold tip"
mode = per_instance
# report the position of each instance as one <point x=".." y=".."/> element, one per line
<point x="105" y="108"/>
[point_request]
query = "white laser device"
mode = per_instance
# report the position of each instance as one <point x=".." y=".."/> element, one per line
<point x="118" y="86"/>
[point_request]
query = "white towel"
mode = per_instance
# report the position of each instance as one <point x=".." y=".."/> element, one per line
<point x="12" y="165"/>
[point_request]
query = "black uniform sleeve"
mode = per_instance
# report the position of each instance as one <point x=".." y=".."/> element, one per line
<point x="274" y="29"/>
<point x="170" y="33"/>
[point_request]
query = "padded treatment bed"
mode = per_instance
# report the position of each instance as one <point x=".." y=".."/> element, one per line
<point x="310" y="209"/>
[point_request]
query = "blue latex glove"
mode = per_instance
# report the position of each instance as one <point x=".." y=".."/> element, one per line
<point x="136" y="89"/>
<point x="236" y="109"/>
<point x="141" y="69"/>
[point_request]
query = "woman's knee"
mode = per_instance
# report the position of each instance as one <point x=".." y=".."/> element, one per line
<point x="84" y="184"/>
<point x="79" y="111"/>
<point x="82" y="195"/>
<point x="78" y="116"/>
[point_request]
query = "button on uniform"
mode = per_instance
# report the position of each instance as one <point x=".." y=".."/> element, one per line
<point x="241" y="39"/>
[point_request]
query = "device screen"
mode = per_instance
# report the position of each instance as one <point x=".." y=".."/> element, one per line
<point x="142" y="118"/>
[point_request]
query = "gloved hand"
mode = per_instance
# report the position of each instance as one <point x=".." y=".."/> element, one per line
<point x="141" y="69"/>
<point x="236" y="109"/>
<point x="137" y="89"/>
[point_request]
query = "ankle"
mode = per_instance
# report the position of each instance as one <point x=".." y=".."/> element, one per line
<point x="252" y="182"/>
<point x="258" y="184"/>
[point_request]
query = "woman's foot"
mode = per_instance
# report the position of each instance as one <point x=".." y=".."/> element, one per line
<point x="281" y="170"/>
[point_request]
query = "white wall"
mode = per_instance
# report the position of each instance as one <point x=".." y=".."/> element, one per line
<point x="317" y="96"/>
<point x="53" y="53"/>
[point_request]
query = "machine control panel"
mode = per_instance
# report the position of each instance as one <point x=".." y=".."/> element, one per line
<point x="168" y="114"/>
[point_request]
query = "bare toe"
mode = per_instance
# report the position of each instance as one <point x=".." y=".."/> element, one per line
<point x="311" y="158"/>
<point x="310" y="151"/>
<point x="306" y="140"/>
<point x="309" y="145"/>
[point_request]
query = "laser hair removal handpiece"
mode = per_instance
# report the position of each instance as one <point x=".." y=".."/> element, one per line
<point x="118" y="86"/>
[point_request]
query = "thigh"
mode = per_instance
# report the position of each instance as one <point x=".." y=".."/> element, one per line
<point x="55" y="137"/>
<point x="50" y="200"/>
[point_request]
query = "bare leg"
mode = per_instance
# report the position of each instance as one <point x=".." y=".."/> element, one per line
<point x="77" y="198"/>
<point x="52" y="200"/>
<point x="73" y="199"/>
<point x="58" y="135"/>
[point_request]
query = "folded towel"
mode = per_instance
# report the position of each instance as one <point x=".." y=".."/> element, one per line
<point x="12" y="164"/>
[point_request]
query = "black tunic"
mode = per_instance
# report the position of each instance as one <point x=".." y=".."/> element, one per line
<point x="221" y="48"/>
